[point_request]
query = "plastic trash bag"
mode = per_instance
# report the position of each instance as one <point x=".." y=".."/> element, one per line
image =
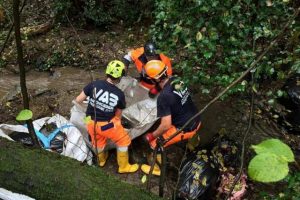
<point x="292" y="87"/>
<point x="56" y="143"/>
<point x="55" y="133"/>
<point x="204" y="168"/>
<point x="291" y="120"/>
<point x="22" y="137"/>
<point x="197" y="179"/>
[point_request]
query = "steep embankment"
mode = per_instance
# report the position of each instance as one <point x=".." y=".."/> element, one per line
<point x="44" y="175"/>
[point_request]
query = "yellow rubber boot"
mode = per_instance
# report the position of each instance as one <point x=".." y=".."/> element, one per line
<point x="156" y="170"/>
<point x="102" y="157"/>
<point x="124" y="166"/>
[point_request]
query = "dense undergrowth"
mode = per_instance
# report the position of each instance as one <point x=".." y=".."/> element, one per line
<point x="214" y="41"/>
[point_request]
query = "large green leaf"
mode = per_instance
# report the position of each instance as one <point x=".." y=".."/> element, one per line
<point x="24" y="115"/>
<point x="276" y="147"/>
<point x="267" y="168"/>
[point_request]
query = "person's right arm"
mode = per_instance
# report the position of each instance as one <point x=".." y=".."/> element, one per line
<point x="118" y="113"/>
<point x="81" y="97"/>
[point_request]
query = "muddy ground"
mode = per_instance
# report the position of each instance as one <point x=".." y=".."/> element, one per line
<point x="52" y="91"/>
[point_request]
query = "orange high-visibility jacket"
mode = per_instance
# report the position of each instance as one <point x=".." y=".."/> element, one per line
<point x="138" y="57"/>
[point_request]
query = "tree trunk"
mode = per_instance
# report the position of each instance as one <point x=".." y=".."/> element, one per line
<point x="16" y="15"/>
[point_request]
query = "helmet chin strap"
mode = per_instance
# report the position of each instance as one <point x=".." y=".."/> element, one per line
<point x="161" y="83"/>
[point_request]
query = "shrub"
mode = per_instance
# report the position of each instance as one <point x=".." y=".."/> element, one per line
<point x="213" y="41"/>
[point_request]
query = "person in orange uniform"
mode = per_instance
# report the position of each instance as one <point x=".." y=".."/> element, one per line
<point x="141" y="56"/>
<point x="174" y="107"/>
<point x="105" y="105"/>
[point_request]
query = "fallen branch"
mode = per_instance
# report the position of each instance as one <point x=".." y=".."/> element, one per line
<point x="238" y="176"/>
<point x="36" y="30"/>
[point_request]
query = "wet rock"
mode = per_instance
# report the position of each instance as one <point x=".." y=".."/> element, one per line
<point x="41" y="91"/>
<point x="12" y="95"/>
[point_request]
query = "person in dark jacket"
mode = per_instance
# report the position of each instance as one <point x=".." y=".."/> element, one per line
<point x="105" y="105"/>
<point x="174" y="108"/>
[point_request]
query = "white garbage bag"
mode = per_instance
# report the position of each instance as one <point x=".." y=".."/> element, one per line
<point x="74" y="145"/>
<point x="9" y="195"/>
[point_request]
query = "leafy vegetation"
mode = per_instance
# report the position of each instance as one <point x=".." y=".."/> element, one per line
<point x="291" y="189"/>
<point x="213" y="41"/>
<point x="271" y="162"/>
<point x="103" y="13"/>
<point x="2" y="63"/>
<point x="24" y="115"/>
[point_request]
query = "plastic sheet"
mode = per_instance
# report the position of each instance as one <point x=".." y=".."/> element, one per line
<point x="68" y="141"/>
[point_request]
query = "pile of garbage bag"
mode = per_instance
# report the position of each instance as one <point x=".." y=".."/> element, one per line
<point x="205" y="171"/>
<point x="54" y="134"/>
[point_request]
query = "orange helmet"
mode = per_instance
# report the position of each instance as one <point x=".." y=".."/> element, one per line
<point x="155" y="69"/>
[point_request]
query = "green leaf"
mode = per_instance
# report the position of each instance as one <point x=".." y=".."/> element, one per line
<point x="144" y="179"/>
<point x="271" y="101"/>
<point x="199" y="36"/>
<point x="254" y="89"/>
<point x="279" y="93"/>
<point x="87" y="119"/>
<point x="244" y="82"/>
<point x="266" y="167"/>
<point x="24" y="115"/>
<point x="208" y="54"/>
<point x="276" y="147"/>
<point x="205" y="91"/>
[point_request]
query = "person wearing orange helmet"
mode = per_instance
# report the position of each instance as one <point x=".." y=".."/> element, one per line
<point x="174" y="107"/>
<point x="141" y="56"/>
<point x="105" y="105"/>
